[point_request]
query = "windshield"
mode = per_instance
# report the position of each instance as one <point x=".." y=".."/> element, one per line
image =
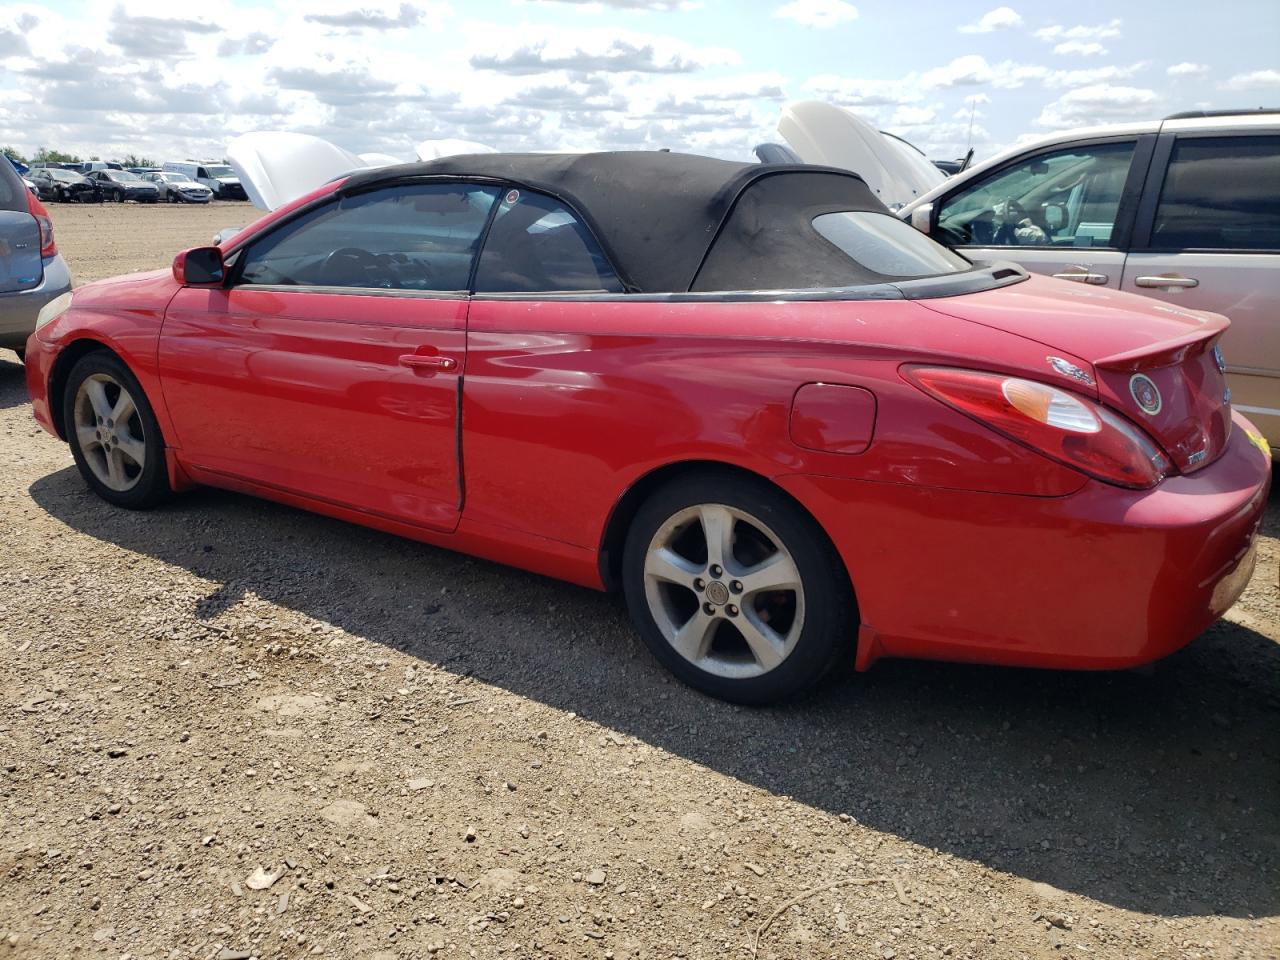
<point x="220" y="171"/>
<point x="64" y="175"/>
<point x="176" y="178"/>
<point x="122" y="175"/>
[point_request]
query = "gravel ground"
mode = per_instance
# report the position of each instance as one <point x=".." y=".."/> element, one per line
<point x="232" y="729"/>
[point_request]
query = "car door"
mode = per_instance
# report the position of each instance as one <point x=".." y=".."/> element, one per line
<point x="330" y="362"/>
<point x="1208" y="238"/>
<point x="1065" y="210"/>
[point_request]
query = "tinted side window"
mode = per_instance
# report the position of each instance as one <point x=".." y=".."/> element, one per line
<point x="13" y="193"/>
<point x="410" y="237"/>
<point x="1064" y="199"/>
<point x="1220" y="193"/>
<point x="536" y="244"/>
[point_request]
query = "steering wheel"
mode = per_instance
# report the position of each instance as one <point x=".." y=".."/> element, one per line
<point x="349" y="258"/>
<point x="1014" y="214"/>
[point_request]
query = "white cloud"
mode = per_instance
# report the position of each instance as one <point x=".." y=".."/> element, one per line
<point x="638" y="6"/>
<point x="1080" y="48"/>
<point x="962" y="71"/>
<point x="1101" y="103"/>
<point x="1253" y="81"/>
<point x="598" y="49"/>
<point x="1187" y="69"/>
<point x="1101" y="31"/>
<point x="857" y="92"/>
<point x="817" y="13"/>
<point x="1001" y="18"/>
<point x="913" y="116"/>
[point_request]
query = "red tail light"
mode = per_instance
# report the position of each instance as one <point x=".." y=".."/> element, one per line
<point x="1060" y="425"/>
<point x="47" y="247"/>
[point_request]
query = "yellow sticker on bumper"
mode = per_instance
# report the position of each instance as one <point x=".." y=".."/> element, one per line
<point x="1259" y="441"/>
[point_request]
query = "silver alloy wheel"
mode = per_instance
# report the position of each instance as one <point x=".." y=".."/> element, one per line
<point x="109" y="432"/>
<point x="724" y="591"/>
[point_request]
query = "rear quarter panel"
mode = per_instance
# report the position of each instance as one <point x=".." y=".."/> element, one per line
<point x="568" y="403"/>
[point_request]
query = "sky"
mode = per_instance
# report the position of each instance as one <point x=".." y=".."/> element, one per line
<point x="171" y="80"/>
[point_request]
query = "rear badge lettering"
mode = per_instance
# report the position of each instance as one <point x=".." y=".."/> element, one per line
<point x="1145" y="394"/>
<point x="1219" y="359"/>
<point x="1069" y="369"/>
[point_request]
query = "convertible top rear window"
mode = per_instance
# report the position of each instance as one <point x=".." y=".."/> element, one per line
<point x="812" y="230"/>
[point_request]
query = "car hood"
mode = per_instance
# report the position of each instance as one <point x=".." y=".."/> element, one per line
<point x="278" y="167"/>
<point x="823" y="133"/>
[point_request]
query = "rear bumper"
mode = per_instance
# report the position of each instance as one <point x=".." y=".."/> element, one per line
<point x="18" y="311"/>
<point x="1104" y="578"/>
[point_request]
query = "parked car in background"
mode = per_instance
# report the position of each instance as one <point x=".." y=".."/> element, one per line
<point x="32" y="273"/>
<point x="218" y="177"/>
<point x="64" y="186"/>
<point x="179" y="188"/>
<point x="121" y="185"/>
<point x="1185" y="209"/>
<point x="900" y="452"/>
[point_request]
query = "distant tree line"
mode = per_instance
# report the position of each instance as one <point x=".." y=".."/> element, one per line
<point x="49" y="155"/>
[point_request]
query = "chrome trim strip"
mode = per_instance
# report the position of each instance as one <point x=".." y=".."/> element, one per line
<point x="1265" y="411"/>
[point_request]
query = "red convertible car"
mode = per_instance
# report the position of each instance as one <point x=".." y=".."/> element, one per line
<point x="791" y="429"/>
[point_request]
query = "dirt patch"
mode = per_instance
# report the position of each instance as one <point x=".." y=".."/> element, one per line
<point x="414" y="754"/>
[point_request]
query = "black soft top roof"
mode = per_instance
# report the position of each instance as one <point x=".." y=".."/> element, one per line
<point x="655" y="213"/>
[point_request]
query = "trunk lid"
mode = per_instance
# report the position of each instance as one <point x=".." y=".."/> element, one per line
<point x="20" y="265"/>
<point x="1153" y="362"/>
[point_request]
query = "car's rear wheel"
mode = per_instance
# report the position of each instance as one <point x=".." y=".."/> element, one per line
<point x="113" y="433"/>
<point x="736" y="589"/>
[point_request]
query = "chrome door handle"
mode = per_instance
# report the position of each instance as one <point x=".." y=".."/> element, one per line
<point x="1174" y="280"/>
<point x="1084" y="276"/>
<point x="423" y="361"/>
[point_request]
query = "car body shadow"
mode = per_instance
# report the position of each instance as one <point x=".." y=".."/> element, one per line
<point x="1151" y="790"/>
<point x="13" y="381"/>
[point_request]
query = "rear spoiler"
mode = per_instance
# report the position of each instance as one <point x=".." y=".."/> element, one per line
<point x="1168" y="352"/>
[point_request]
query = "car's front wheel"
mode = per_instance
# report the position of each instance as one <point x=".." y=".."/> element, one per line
<point x="113" y="433"/>
<point x="736" y="589"/>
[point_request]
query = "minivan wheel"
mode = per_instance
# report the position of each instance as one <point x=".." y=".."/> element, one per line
<point x="112" y="430"/>
<point x="736" y="589"/>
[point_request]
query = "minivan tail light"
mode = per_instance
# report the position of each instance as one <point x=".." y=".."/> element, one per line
<point x="1061" y="425"/>
<point x="47" y="247"/>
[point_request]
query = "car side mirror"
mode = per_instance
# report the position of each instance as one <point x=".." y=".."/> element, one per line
<point x="199" y="265"/>
<point x="922" y="217"/>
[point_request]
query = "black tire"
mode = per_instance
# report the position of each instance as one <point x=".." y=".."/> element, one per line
<point x="119" y="196"/>
<point x="827" y="631"/>
<point x="152" y="483"/>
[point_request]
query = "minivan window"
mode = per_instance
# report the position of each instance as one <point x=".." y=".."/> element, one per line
<point x="1220" y="193"/>
<point x="406" y="237"/>
<point x="537" y="244"/>
<point x="1067" y="198"/>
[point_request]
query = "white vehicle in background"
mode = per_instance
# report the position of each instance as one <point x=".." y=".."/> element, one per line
<point x="218" y="177"/>
<point x="1185" y="209"/>
<point x="178" y="187"/>
<point x="823" y="133"/>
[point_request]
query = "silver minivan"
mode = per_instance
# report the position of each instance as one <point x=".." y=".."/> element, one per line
<point x="1185" y="209"/>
